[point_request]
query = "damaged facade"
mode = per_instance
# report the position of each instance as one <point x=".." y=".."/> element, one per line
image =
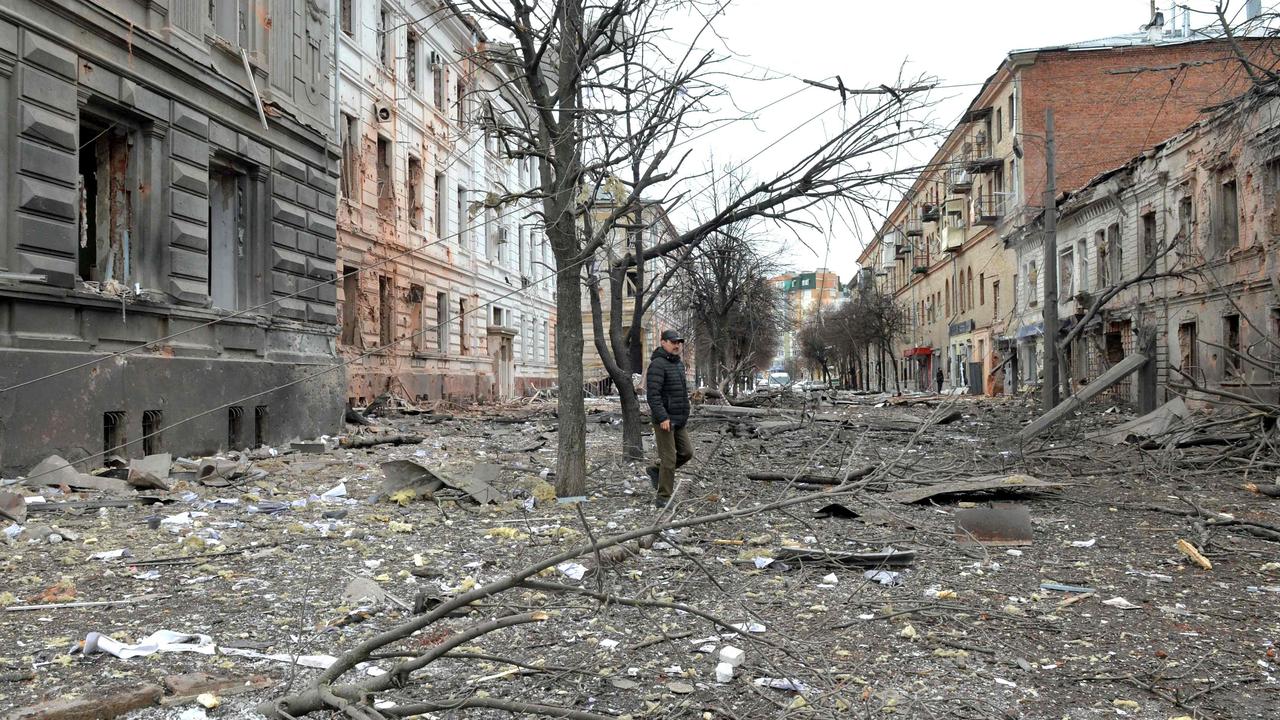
<point x="1197" y="216"/>
<point x="943" y="252"/>
<point x="655" y="227"/>
<point x="441" y="296"/>
<point x="167" y="175"/>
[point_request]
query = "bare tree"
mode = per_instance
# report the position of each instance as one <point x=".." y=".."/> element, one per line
<point x="609" y="105"/>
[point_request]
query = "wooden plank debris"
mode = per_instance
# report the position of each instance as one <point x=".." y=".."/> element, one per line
<point x="1113" y="375"/>
<point x="983" y="484"/>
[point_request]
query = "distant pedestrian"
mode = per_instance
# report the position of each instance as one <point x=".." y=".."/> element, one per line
<point x="668" y="396"/>
<point x="937" y="378"/>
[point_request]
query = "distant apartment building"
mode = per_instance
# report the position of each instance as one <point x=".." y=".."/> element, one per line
<point x="804" y="295"/>
<point x="443" y="294"/>
<point x="168" y="174"/>
<point x="943" y="250"/>
<point x="1198" y="216"/>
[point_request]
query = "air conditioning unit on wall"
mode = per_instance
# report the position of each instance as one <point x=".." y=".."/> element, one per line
<point x="382" y="111"/>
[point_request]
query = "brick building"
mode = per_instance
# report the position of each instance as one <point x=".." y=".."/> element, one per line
<point x="1200" y="207"/>
<point x="166" y="173"/>
<point x="440" y="297"/>
<point x="942" y="250"/>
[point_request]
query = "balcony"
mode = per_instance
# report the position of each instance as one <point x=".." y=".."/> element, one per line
<point x="929" y="213"/>
<point x="913" y="227"/>
<point x="980" y="156"/>
<point x="953" y="234"/>
<point x="987" y="209"/>
<point x="959" y="180"/>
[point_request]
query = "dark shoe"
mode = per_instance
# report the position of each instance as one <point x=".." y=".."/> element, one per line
<point x="661" y="502"/>
<point x="652" y="472"/>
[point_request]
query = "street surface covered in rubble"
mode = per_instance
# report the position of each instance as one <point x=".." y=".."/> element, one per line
<point x="283" y="554"/>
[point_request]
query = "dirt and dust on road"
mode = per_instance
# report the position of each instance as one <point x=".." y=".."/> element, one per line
<point x="863" y="555"/>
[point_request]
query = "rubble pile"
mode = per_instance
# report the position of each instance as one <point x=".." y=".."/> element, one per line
<point x="917" y="566"/>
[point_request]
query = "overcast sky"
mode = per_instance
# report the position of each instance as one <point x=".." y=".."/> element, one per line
<point x="867" y="43"/>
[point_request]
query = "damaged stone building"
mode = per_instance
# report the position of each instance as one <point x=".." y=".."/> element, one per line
<point x="442" y="295"/>
<point x="945" y="251"/>
<point x="1190" y="227"/>
<point x="166" y="174"/>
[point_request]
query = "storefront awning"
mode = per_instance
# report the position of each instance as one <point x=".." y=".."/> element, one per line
<point x="1031" y="330"/>
<point x="917" y="351"/>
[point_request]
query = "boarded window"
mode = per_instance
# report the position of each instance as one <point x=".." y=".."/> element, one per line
<point x="1229" y="209"/>
<point x="385" y="36"/>
<point x="411" y="60"/>
<point x="995" y="300"/>
<point x="416" y="295"/>
<point x="386" y="194"/>
<point x="350" y="304"/>
<point x="415" y="193"/>
<point x="346" y="16"/>
<point x="1066" y="274"/>
<point x="1149" y="243"/>
<point x="442" y="322"/>
<point x="386" y="311"/>
<point x="350" y="130"/>
<point x="1188" y="353"/>
<point x="462" y="327"/>
<point x="228" y="188"/>
<point x="440" y="205"/>
<point x="1233" y="349"/>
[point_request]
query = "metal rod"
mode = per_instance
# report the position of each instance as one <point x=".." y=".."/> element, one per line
<point x="1049" y="391"/>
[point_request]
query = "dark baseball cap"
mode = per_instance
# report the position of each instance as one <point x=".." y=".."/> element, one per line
<point x="672" y="336"/>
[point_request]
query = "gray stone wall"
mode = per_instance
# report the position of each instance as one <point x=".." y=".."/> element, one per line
<point x="157" y="99"/>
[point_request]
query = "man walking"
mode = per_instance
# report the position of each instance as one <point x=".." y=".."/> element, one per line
<point x="668" y="397"/>
<point x="938" y="378"/>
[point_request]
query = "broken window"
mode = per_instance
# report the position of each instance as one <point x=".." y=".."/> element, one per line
<point x="1231" y="341"/>
<point x="235" y="427"/>
<point x="497" y="316"/>
<point x="350" y="130"/>
<point x="995" y="300"/>
<point x="1103" y="264"/>
<point x="228" y="189"/>
<point x="999" y="124"/>
<point x="384" y="37"/>
<point x="1187" y="351"/>
<point x="546" y="342"/>
<point x="437" y="81"/>
<point x="442" y="322"/>
<point x="152" y="421"/>
<point x="1185" y="221"/>
<point x="386" y="195"/>
<point x="228" y="19"/>
<point x="1149" y="243"/>
<point x="386" y="311"/>
<point x="1033" y="275"/>
<point x="462" y="327"/>
<point x="415" y="192"/>
<point x="113" y="431"/>
<point x="346" y="15"/>
<point x="106" y="204"/>
<point x="462" y="105"/>
<point x="260" y="434"/>
<point x="411" y="59"/>
<point x="440" y="205"/>
<point x="350" y="304"/>
<point x="1066" y="276"/>
<point x="415" y="316"/>
<point x="462" y="217"/>
<point x="1229" y="220"/>
<point x="1115" y="253"/>
<point x="1082" y="267"/>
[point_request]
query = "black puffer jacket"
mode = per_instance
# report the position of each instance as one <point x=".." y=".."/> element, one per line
<point x="666" y="389"/>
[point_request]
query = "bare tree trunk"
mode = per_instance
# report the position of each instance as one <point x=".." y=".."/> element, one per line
<point x="571" y="459"/>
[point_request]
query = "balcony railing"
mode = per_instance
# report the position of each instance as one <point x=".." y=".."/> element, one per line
<point x="913" y="227"/>
<point x="953" y="234"/>
<point x="929" y="212"/>
<point x="959" y="180"/>
<point x="987" y="209"/>
<point x="980" y="157"/>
